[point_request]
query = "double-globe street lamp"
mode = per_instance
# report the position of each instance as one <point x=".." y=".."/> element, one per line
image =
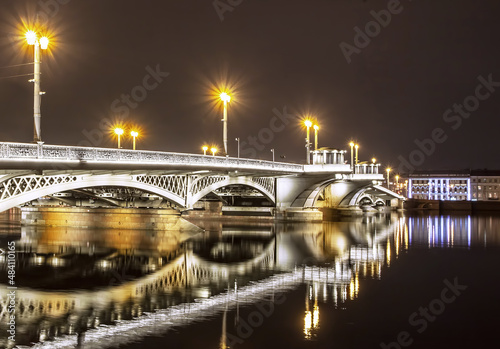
<point x="118" y="131"/>
<point x="308" y="124"/>
<point x="388" y="170"/>
<point x="316" y="129"/>
<point x="33" y="38"/>
<point x="226" y="98"/>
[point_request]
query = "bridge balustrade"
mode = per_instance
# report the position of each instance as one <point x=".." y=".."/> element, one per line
<point x="366" y="169"/>
<point x="73" y="153"/>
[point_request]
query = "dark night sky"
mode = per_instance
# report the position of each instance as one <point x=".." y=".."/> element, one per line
<point x="274" y="53"/>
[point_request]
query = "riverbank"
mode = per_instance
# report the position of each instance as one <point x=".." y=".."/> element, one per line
<point x="451" y="206"/>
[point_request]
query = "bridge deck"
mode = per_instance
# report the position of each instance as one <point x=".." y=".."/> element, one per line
<point x="42" y="156"/>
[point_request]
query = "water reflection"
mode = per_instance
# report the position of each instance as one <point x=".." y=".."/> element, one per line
<point x="105" y="287"/>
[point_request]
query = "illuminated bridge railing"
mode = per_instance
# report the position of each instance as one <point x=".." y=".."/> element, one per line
<point x="27" y="151"/>
<point x="158" y="322"/>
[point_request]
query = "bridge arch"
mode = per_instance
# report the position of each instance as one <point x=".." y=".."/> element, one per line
<point x="19" y="190"/>
<point x="199" y="190"/>
<point x="344" y="193"/>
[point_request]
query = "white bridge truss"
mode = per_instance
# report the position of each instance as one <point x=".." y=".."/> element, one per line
<point x="183" y="190"/>
<point x="31" y="171"/>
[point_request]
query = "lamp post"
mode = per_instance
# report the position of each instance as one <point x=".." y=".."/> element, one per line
<point x="119" y="132"/>
<point x="352" y="155"/>
<point x="134" y="135"/>
<point x="356" y="147"/>
<point x="397" y="182"/>
<point x="316" y="128"/>
<point x="226" y="99"/>
<point x="205" y="148"/>
<point x="272" y="151"/>
<point x="237" y="139"/>
<point x="374" y="161"/>
<point x="308" y="124"/>
<point x="213" y="150"/>
<point x="388" y="170"/>
<point x="38" y="43"/>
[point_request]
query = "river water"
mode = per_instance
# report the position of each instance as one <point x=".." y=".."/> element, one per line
<point x="384" y="281"/>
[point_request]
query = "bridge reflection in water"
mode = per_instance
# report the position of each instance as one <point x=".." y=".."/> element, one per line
<point x="118" y="286"/>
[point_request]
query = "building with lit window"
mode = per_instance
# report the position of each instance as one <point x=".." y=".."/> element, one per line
<point x="472" y="185"/>
<point x="485" y="185"/>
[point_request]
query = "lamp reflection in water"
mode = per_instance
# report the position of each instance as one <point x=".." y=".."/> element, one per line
<point x="311" y="318"/>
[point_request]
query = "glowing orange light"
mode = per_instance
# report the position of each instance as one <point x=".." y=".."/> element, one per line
<point x="225" y="97"/>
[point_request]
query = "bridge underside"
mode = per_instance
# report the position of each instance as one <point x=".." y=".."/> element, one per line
<point x="184" y="189"/>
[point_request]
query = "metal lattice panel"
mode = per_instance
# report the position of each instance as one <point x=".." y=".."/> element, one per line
<point x="20" y="185"/>
<point x="24" y="151"/>
<point x="267" y="183"/>
<point x="202" y="182"/>
<point x="174" y="184"/>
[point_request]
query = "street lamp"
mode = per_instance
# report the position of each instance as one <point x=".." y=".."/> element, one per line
<point x="356" y="147"/>
<point x="134" y="135"/>
<point x="316" y="128"/>
<point x="226" y="99"/>
<point x="397" y="182"/>
<point x="237" y="139"/>
<point x="272" y="151"/>
<point x="388" y="170"/>
<point x="308" y="124"/>
<point x="213" y="150"/>
<point x="118" y="132"/>
<point x="205" y="148"/>
<point x="38" y="43"/>
<point x="352" y="155"/>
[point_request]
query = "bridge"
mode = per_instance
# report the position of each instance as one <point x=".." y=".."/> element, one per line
<point x="29" y="171"/>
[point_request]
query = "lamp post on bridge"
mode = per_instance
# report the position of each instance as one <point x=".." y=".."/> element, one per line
<point x="352" y="155"/>
<point x="205" y="148"/>
<point x="316" y="128"/>
<point x="38" y="43"/>
<point x="134" y="135"/>
<point x="119" y="132"/>
<point x="308" y="124"/>
<point x="272" y="151"/>
<point x="226" y="99"/>
<point x="213" y="150"/>
<point x="357" y="147"/>
<point x="237" y="139"/>
<point x="388" y="170"/>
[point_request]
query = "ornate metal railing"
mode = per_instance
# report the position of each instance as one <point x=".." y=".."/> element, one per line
<point x="70" y="153"/>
